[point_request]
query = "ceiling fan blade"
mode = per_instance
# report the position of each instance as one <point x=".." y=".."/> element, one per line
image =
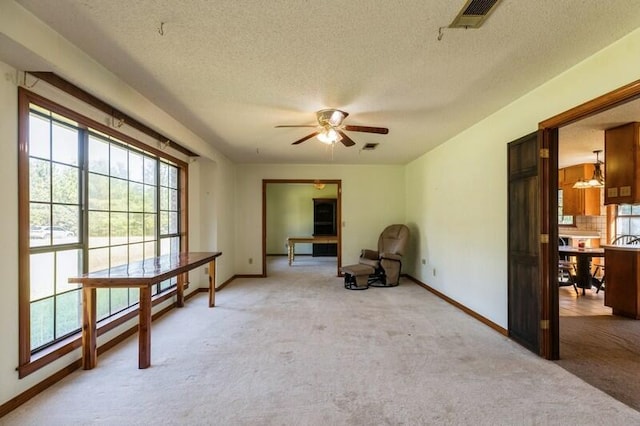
<point x="346" y="140"/>
<point x="297" y="125"/>
<point x="306" y="137"/>
<point x="367" y="129"/>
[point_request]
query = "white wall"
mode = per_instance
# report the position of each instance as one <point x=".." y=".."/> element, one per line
<point x="290" y="213"/>
<point x="457" y="193"/>
<point x="372" y="198"/>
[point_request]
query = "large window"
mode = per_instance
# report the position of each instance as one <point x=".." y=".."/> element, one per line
<point x="96" y="199"/>
<point x="628" y="220"/>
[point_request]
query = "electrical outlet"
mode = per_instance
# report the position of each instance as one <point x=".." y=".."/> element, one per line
<point x="424" y="261"/>
<point x="206" y="270"/>
<point x="250" y="260"/>
<point x="434" y="272"/>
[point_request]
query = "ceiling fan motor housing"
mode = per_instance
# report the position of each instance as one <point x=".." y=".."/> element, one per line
<point x="331" y="117"/>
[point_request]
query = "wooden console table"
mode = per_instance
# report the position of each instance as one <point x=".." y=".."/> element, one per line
<point x="292" y="241"/>
<point x="142" y="275"/>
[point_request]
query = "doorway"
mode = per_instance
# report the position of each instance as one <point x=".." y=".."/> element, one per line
<point x="287" y="211"/>
<point x="548" y="130"/>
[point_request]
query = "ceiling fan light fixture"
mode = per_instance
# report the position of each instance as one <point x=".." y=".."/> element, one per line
<point x="328" y="136"/>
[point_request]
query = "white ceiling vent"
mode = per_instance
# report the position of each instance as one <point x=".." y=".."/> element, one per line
<point x="474" y="13"/>
<point x="369" y="146"/>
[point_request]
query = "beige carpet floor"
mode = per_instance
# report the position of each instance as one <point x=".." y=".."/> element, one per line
<point x="603" y="350"/>
<point x="298" y="349"/>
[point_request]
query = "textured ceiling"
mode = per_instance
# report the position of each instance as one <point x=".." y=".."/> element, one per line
<point x="232" y="70"/>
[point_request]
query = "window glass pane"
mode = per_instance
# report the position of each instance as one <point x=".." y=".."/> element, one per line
<point x="119" y="194"/>
<point x="102" y="301"/>
<point x="136" y="252"/>
<point x="68" y="264"/>
<point x="624" y="210"/>
<point x="98" y="192"/>
<point x="98" y="259"/>
<point x="149" y="198"/>
<point x="41" y="275"/>
<point x="136" y="227"/>
<point x="136" y="197"/>
<point x="173" y="199"/>
<point x="39" y="217"/>
<point x="66" y="227"/>
<point x="98" y="155"/>
<point x="175" y="245"/>
<point x="119" y="299"/>
<point x="39" y="180"/>
<point x="150" y="250"/>
<point x="635" y="210"/>
<point x="66" y="184"/>
<point x="119" y="255"/>
<point x="134" y="295"/>
<point x="68" y="313"/>
<point x="39" y="137"/>
<point x="65" y="144"/>
<point x="622" y="226"/>
<point x="164" y="198"/>
<point x="119" y="228"/>
<point x="173" y="177"/>
<point x="165" y="246"/>
<point x="634" y="226"/>
<point x="136" y="167"/>
<point x="98" y="229"/>
<point x="41" y="322"/>
<point x="173" y="222"/>
<point x="149" y="227"/>
<point x="150" y="166"/>
<point x="164" y="174"/>
<point x="119" y="163"/>
<point x="164" y="223"/>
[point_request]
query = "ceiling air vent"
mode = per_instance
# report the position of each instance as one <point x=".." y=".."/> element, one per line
<point x="369" y="146"/>
<point x="474" y="13"/>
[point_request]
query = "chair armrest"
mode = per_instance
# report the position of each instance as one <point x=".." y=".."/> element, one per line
<point x="390" y="256"/>
<point x="369" y="254"/>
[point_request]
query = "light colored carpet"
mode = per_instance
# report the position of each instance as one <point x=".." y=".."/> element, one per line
<point x="603" y="350"/>
<point x="298" y="349"/>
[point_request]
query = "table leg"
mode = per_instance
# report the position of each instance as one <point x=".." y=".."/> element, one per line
<point x="584" y="274"/>
<point x="212" y="283"/>
<point x="89" y="346"/>
<point x="144" y="328"/>
<point x="180" y="291"/>
<point x="291" y="251"/>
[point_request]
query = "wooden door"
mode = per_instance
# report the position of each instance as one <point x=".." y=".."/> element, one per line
<point x="528" y="241"/>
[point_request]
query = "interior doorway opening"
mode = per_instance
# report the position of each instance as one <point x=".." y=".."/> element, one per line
<point x="288" y="211"/>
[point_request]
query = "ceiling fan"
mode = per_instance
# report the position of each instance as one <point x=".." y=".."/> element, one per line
<point x="331" y="130"/>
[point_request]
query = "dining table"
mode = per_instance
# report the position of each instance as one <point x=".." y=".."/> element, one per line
<point x="583" y="256"/>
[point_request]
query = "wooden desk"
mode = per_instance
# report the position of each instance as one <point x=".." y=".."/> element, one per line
<point x="291" y="243"/>
<point x="583" y="259"/>
<point x="140" y="275"/>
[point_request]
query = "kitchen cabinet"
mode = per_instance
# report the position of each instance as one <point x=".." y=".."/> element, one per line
<point x="578" y="202"/>
<point x="623" y="280"/>
<point x="622" y="159"/>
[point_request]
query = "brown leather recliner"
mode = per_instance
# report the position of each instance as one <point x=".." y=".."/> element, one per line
<point x="387" y="259"/>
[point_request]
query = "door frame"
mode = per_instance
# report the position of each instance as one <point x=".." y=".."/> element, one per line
<point x="337" y="182"/>
<point x="548" y="131"/>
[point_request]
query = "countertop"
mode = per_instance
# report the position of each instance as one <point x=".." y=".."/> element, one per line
<point x="626" y="247"/>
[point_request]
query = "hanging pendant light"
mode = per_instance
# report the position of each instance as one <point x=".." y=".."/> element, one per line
<point x="597" y="180"/>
